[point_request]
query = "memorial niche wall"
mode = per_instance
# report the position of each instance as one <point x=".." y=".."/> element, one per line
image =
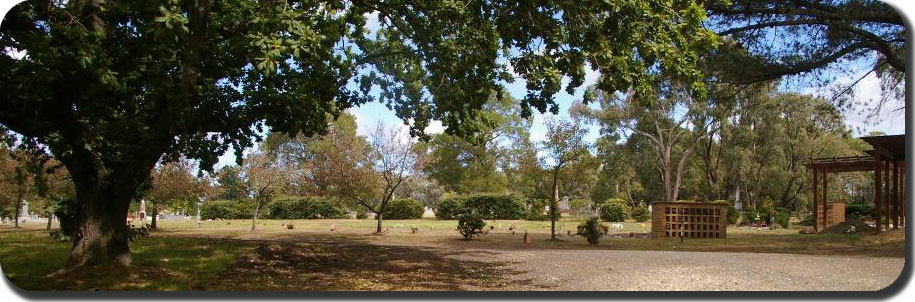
<point x="688" y="220"/>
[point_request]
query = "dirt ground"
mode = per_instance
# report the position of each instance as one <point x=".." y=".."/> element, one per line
<point x="333" y="265"/>
<point x="602" y="270"/>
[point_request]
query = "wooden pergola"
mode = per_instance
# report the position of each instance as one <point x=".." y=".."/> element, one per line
<point x="886" y="160"/>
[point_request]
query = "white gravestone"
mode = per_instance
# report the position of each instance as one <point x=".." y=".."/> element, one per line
<point x="24" y="211"/>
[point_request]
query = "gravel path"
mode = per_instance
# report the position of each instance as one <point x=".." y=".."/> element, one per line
<point x="697" y="271"/>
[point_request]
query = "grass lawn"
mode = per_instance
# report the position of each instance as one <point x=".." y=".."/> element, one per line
<point x="226" y="255"/>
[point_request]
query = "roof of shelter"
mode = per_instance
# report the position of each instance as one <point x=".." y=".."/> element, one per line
<point x="887" y="146"/>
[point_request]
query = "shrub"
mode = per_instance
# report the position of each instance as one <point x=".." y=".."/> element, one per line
<point x="783" y="217"/>
<point x="858" y="210"/>
<point x="470" y="224"/>
<point x="362" y="215"/>
<point x="290" y="226"/>
<point x="449" y="207"/>
<point x="807" y="220"/>
<point x="496" y="206"/>
<point x="591" y="229"/>
<point x="641" y="214"/>
<point x="404" y="209"/>
<point x="227" y="209"/>
<point x="732" y="211"/>
<point x="614" y="210"/>
<point x="305" y="208"/>
<point x="536" y="210"/>
<point x="66" y="212"/>
<point x="580" y="206"/>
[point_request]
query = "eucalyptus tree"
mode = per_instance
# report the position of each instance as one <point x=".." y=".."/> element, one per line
<point x="671" y="120"/>
<point x="109" y="87"/>
<point x="471" y="164"/>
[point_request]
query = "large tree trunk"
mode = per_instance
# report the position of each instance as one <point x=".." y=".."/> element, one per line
<point x="155" y="217"/>
<point x="102" y="237"/>
<point x="103" y="196"/>
<point x="379" y="217"/>
<point x="257" y="209"/>
<point x="667" y="167"/>
<point x="18" y="210"/>
<point x="50" y="221"/>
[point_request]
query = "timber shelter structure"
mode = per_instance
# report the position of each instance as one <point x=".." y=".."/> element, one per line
<point x="886" y="160"/>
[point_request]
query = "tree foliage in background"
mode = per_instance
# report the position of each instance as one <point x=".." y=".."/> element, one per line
<point x="172" y="184"/>
<point x="564" y="145"/>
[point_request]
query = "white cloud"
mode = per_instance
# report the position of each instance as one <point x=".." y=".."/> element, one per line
<point x="435" y="127"/>
<point x="861" y="118"/>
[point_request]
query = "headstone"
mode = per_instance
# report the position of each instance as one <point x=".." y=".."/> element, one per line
<point x="23" y="211"/>
<point x="142" y="212"/>
<point x="564" y="204"/>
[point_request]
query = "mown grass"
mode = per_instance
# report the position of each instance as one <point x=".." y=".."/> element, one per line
<point x="29" y="256"/>
<point x="181" y="256"/>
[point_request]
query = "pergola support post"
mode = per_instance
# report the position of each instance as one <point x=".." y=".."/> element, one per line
<point x="895" y="194"/>
<point x="886" y="193"/>
<point x="877" y="198"/>
<point x="816" y="182"/>
<point x="825" y="198"/>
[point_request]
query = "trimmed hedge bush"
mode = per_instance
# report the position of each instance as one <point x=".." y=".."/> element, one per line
<point x="488" y="206"/>
<point x="449" y="207"/>
<point x="305" y="208"/>
<point x="614" y="210"/>
<point x="227" y="209"/>
<point x="496" y="206"/>
<point x="641" y="214"/>
<point x="404" y="209"/>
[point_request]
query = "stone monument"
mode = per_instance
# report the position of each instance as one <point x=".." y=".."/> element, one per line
<point x="141" y="215"/>
<point x="23" y="211"/>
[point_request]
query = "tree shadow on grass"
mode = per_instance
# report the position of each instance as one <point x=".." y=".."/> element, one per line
<point x="353" y="265"/>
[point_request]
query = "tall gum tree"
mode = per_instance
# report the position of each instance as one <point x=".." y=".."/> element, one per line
<point x="111" y="86"/>
<point x="668" y="117"/>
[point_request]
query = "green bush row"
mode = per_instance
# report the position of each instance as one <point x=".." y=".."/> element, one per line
<point x="306" y="208"/>
<point x="615" y="210"/>
<point x="227" y="209"/>
<point x="282" y="208"/>
<point x="488" y="206"/>
<point x="404" y="209"/>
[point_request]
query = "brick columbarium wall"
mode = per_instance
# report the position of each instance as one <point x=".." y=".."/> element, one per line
<point x="689" y="220"/>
